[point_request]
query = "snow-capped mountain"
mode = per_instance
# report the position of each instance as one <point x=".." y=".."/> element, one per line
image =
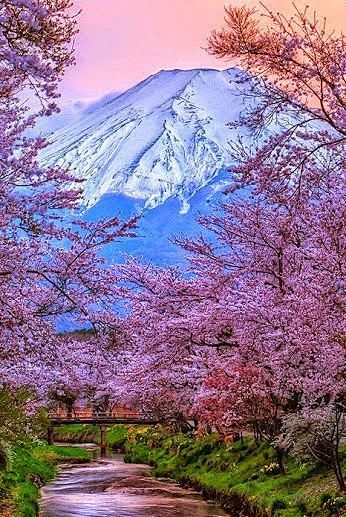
<point x="166" y="137"/>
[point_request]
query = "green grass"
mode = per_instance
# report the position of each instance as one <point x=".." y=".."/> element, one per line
<point x="59" y="454"/>
<point x="116" y="435"/>
<point x="30" y="468"/>
<point x="77" y="433"/>
<point x="237" y="474"/>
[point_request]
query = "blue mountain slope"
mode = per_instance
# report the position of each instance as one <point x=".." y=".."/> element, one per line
<point x="161" y="149"/>
<point x="158" y="225"/>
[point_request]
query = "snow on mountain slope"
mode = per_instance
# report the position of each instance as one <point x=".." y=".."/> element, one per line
<point x="165" y="137"/>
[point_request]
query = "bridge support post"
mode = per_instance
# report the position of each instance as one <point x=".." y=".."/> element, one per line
<point x="50" y="435"/>
<point x="103" y="440"/>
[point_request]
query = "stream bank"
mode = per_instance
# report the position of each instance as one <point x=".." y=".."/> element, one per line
<point x="108" y="487"/>
<point x="28" y="468"/>
<point x="242" y="477"/>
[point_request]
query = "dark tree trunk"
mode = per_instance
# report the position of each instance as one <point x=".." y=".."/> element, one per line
<point x="256" y="434"/>
<point x="103" y="440"/>
<point x="280" y="459"/>
<point x="185" y="426"/>
<point x="50" y="435"/>
<point x="338" y="472"/>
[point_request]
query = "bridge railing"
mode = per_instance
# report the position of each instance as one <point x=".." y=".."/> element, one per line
<point x="87" y="415"/>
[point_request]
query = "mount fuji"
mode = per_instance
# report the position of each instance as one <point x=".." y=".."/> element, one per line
<point x="165" y="137"/>
<point x="162" y="148"/>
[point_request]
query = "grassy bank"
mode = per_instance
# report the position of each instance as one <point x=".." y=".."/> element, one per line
<point x="243" y="477"/>
<point x="28" y="469"/>
<point x="116" y="435"/>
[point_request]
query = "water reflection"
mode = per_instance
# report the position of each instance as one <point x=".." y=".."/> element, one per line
<point x="109" y="487"/>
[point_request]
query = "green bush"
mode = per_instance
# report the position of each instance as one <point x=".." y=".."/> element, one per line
<point x="302" y="506"/>
<point x="77" y="433"/>
<point x="339" y="502"/>
<point x="278" y="504"/>
<point x="325" y="498"/>
<point x="116" y="436"/>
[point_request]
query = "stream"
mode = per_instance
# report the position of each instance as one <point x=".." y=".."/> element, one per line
<point x="109" y="487"/>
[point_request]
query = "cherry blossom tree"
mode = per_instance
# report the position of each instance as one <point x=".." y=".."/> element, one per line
<point x="47" y="269"/>
<point x="296" y="67"/>
<point x="162" y="350"/>
<point x="319" y="439"/>
<point x="254" y="331"/>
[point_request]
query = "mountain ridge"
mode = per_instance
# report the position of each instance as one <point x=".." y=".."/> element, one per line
<point x="165" y="137"/>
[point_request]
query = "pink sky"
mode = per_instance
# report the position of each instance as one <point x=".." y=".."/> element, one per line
<point x="123" y="41"/>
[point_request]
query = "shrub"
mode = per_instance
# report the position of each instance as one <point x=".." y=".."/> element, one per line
<point x="302" y="506"/>
<point x="278" y="504"/>
<point x="270" y="469"/>
<point x="339" y="502"/>
<point x="239" y="446"/>
<point x="333" y="504"/>
<point x="266" y="455"/>
<point x="325" y="498"/>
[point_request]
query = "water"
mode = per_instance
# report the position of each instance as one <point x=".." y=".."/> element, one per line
<point x="108" y="487"/>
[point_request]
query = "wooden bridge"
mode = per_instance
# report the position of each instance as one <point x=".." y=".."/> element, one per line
<point x="100" y="419"/>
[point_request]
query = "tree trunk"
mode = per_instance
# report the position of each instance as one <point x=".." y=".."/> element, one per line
<point x="103" y="440"/>
<point x="280" y="459"/>
<point x="338" y="472"/>
<point x="50" y="435"/>
<point x="185" y="426"/>
<point x="69" y="407"/>
<point x="256" y="434"/>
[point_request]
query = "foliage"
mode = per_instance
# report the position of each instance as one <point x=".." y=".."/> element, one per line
<point x="16" y="424"/>
<point x="76" y="433"/>
<point x="32" y="465"/>
<point x="116" y="436"/>
<point x="319" y="440"/>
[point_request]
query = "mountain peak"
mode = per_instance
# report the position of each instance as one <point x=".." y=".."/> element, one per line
<point x="165" y="137"/>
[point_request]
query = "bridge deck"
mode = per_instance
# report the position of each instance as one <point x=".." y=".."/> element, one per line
<point x="102" y="420"/>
